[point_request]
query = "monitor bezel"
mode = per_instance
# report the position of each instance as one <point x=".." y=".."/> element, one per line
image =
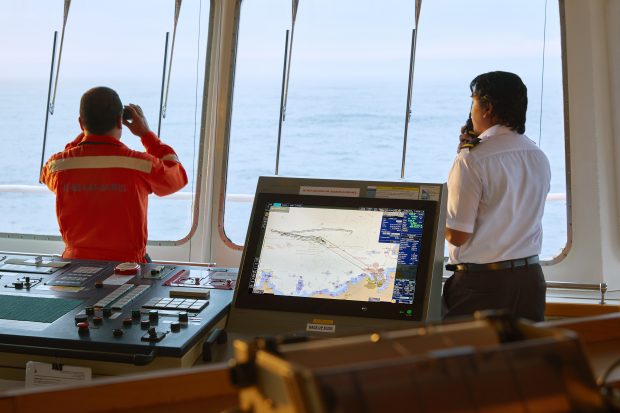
<point x="382" y="310"/>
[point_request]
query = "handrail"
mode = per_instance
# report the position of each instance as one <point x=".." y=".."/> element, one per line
<point x="243" y="198"/>
<point x="568" y="285"/>
<point x="38" y="189"/>
<point x="562" y="285"/>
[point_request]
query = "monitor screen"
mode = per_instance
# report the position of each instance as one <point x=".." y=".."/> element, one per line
<point x="367" y="257"/>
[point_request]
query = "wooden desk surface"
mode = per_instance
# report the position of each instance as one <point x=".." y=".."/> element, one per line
<point x="600" y="337"/>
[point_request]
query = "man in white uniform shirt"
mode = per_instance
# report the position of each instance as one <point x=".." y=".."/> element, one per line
<point x="496" y="196"/>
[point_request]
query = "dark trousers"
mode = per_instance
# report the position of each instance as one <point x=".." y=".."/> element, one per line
<point x="521" y="291"/>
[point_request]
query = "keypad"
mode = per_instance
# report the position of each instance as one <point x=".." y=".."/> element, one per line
<point x="181" y="304"/>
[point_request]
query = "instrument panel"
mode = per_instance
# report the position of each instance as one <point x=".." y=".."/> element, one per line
<point x="108" y="311"/>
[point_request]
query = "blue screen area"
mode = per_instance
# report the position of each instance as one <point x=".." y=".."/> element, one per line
<point x="405" y="229"/>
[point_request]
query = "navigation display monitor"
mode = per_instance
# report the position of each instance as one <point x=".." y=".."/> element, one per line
<point x="354" y="256"/>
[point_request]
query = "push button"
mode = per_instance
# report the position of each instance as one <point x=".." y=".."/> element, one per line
<point x="83" y="329"/>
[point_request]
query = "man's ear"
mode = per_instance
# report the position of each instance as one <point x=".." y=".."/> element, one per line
<point x="488" y="112"/>
<point x="119" y="122"/>
<point x="81" y="124"/>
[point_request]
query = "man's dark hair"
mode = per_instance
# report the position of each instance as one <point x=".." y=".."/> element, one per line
<point x="100" y="108"/>
<point x="508" y="95"/>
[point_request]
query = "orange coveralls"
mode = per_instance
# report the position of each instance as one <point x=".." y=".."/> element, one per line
<point x="102" y="189"/>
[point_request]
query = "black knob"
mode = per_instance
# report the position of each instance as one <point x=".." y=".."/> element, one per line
<point x="175" y="326"/>
<point x="80" y="318"/>
<point x="153" y="315"/>
<point x="127" y="322"/>
<point x="117" y="332"/>
<point x="183" y="317"/>
<point x="98" y="284"/>
<point x="18" y="285"/>
<point x="144" y="324"/>
<point x="90" y="310"/>
<point x="107" y="312"/>
<point x="97" y="320"/>
<point x="152" y="332"/>
<point x="135" y="314"/>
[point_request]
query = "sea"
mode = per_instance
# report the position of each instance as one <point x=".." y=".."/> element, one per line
<point x="349" y="128"/>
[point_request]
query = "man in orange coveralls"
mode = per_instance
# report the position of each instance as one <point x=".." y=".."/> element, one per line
<point x="102" y="186"/>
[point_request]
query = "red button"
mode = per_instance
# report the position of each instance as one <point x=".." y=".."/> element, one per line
<point x="127" y="268"/>
<point x="82" y="328"/>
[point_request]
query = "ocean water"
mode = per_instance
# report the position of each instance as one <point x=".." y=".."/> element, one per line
<point x="346" y="129"/>
<point x="355" y="130"/>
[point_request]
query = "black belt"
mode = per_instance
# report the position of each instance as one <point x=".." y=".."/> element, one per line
<point x="500" y="265"/>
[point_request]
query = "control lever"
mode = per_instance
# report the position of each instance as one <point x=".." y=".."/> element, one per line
<point x="153" y="336"/>
<point x="218" y="336"/>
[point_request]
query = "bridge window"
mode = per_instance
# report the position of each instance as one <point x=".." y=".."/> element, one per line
<point x="345" y="112"/>
<point x="113" y="43"/>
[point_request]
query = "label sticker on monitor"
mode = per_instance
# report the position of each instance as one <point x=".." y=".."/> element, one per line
<point x="329" y="191"/>
<point x="321" y="328"/>
<point x="395" y="192"/>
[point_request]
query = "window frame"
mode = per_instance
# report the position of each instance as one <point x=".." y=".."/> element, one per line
<point x="199" y="161"/>
<point x="564" y="251"/>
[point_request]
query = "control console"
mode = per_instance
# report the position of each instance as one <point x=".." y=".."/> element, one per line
<point x="115" y="314"/>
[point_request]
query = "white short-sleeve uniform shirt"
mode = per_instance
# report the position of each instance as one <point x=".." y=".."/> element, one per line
<point x="497" y="192"/>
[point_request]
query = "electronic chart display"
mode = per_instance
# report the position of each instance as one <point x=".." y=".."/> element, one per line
<point x="354" y="256"/>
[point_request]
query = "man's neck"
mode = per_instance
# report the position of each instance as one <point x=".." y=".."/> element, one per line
<point x="115" y="133"/>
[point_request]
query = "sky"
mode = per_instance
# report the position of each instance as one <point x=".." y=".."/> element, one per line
<point x="332" y="37"/>
<point x="100" y="35"/>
